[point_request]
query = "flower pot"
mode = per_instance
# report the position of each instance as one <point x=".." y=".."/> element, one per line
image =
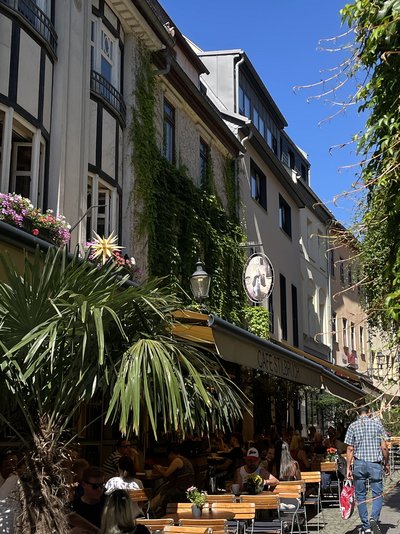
<point x="196" y="511"/>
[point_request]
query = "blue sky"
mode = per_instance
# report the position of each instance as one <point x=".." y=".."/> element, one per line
<point x="281" y="39"/>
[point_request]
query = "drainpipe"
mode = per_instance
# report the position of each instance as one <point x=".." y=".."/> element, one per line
<point x="237" y="165"/>
<point x="237" y="65"/>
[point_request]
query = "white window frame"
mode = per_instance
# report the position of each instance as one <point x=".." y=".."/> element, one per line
<point x="111" y="214"/>
<point x="96" y="45"/>
<point x="15" y="173"/>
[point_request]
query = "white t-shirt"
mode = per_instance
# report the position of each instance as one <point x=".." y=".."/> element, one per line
<point x="119" y="483"/>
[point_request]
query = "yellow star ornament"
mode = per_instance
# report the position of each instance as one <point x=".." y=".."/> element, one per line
<point x="105" y="247"/>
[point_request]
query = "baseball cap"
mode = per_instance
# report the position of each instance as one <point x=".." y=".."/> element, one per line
<point x="252" y="453"/>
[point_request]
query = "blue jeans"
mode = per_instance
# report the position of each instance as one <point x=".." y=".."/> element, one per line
<point x="363" y="471"/>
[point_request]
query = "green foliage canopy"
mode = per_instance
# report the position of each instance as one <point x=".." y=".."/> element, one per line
<point x="376" y="60"/>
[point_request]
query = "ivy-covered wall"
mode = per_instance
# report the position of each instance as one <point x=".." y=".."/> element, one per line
<point x="183" y="222"/>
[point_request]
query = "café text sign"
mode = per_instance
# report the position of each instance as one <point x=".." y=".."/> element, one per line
<point x="277" y="365"/>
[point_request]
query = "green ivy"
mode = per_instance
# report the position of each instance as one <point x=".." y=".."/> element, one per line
<point x="258" y="320"/>
<point x="183" y="222"/>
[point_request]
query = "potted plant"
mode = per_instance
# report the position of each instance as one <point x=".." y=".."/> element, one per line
<point x="332" y="454"/>
<point x="198" y="499"/>
<point x="19" y="211"/>
<point x="254" y="484"/>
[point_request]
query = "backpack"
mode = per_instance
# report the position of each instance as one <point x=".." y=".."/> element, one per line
<point x="347" y="499"/>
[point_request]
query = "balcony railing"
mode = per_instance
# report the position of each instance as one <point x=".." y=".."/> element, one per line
<point x="107" y="92"/>
<point x="28" y="11"/>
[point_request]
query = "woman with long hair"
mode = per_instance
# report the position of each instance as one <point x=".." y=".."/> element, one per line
<point x="126" y="481"/>
<point x="289" y="468"/>
<point x="119" y="515"/>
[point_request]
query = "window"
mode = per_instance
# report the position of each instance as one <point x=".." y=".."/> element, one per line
<point x="341" y="269"/>
<point x="344" y="327"/>
<point x="282" y="286"/>
<point x="271" y="313"/>
<point x="258" y="185"/>
<point x="274" y="145"/>
<point x="244" y="103"/>
<point x="27" y="166"/>
<point x="103" y="218"/>
<point x="169" y="132"/>
<point x="321" y="299"/>
<point x="349" y="275"/>
<point x="203" y="161"/>
<point x="334" y="327"/>
<point x="352" y="336"/>
<point x="258" y="122"/>
<point x="304" y="173"/>
<point x="295" y="317"/>
<point x="21" y="173"/>
<point x="104" y="53"/>
<point x="362" y="340"/>
<point x="285" y="216"/>
<point x="332" y="262"/>
<point x="291" y="159"/>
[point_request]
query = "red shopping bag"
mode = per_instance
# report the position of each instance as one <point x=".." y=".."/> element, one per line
<point x="347" y="499"/>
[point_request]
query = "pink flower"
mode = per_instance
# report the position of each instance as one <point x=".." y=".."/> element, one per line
<point x="35" y="231"/>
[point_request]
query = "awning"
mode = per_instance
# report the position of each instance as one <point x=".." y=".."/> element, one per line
<point x="239" y="346"/>
<point x="236" y="345"/>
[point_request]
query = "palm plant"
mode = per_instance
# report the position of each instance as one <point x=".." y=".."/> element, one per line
<point x="68" y="330"/>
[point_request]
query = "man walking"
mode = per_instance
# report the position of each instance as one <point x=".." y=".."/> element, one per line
<point x="366" y="445"/>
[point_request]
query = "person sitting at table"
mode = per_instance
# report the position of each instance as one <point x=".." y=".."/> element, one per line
<point x="179" y="476"/>
<point x="88" y="507"/>
<point x="119" y="515"/>
<point x="126" y="481"/>
<point x="289" y="468"/>
<point x="124" y="448"/>
<point x="253" y="467"/>
<point x="233" y="458"/>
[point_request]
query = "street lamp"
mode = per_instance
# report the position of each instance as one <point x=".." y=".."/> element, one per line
<point x="200" y="282"/>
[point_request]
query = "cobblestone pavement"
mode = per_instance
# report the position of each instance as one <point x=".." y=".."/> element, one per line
<point x="390" y="515"/>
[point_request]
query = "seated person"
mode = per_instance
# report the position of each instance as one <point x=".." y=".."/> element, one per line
<point x="124" y="448"/>
<point x="289" y="468"/>
<point x="233" y="459"/>
<point x="179" y="476"/>
<point x="9" y="502"/>
<point x="253" y="467"/>
<point x="126" y="481"/>
<point x="88" y="507"/>
<point x="119" y="515"/>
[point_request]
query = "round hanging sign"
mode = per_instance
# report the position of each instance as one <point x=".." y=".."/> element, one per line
<point x="258" y="277"/>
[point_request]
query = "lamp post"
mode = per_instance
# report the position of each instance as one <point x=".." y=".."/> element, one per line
<point x="200" y="282"/>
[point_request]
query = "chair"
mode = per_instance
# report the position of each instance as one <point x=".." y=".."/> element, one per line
<point x="155" y="524"/>
<point x="312" y="479"/>
<point x="265" y="502"/>
<point x="177" y="529"/>
<point x="334" y="483"/>
<point x="243" y="512"/>
<point x="218" y="526"/>
<point x="291" y="507"/>
<point x="225" y="497"/>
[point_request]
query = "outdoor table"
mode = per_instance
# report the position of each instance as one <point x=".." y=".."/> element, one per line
<point x="206" y="514"/>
